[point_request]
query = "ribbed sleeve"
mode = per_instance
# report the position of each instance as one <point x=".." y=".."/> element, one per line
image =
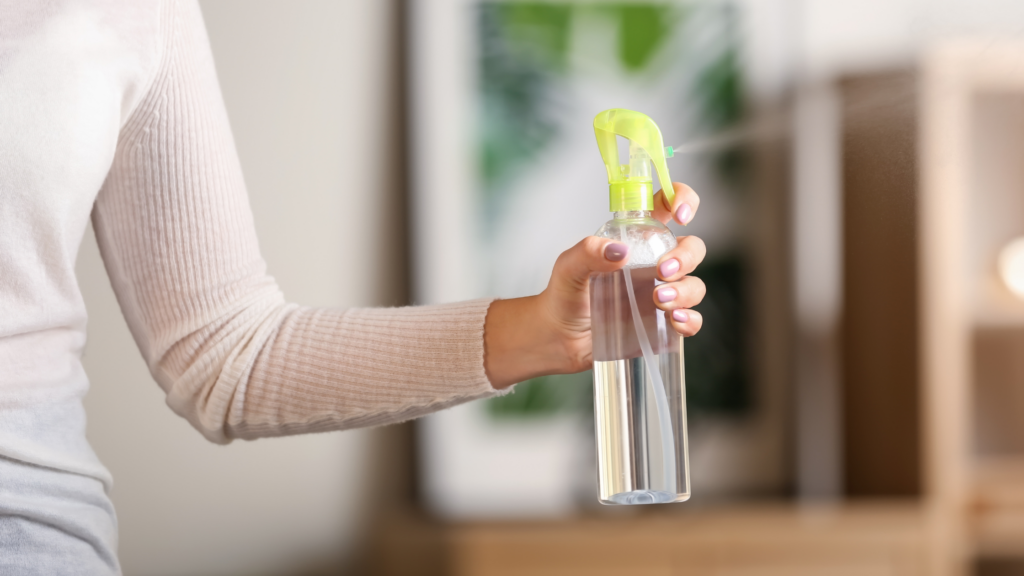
<point x="177" y="237"/>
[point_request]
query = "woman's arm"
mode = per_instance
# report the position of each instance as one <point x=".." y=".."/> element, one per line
<point x="177" y="236"/>
<point x="234" y="358"/>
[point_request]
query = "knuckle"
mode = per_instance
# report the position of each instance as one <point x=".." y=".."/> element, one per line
<point x="592" y="244"/>
<point x="695" y="288"/>
<point x="688" y="191"/>
<point x="562" y="262"/>
<point x="700" y="287"/>
<point x="691" y="251"/>
<point x="696" y="247"/>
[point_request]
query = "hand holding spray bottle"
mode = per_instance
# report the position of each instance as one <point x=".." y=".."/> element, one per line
<point x="639" y="382"/>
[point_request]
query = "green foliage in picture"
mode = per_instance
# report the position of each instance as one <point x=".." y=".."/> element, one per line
<point x="546" y="396"/>
<point x="539" y="32"/>
<point x="719" y="95"/>
<point x="719" y="91"/>
<point x="521" y="47"/>
<point x="524" y="54"/>
<point x="643" y="29"/>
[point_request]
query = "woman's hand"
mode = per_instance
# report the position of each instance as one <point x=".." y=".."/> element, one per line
<point x="550" y="333"/>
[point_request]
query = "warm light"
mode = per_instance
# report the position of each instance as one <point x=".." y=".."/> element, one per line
<point x="1011" y="266"/>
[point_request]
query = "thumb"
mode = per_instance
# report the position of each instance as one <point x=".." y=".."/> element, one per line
<point x="592" y="255"/>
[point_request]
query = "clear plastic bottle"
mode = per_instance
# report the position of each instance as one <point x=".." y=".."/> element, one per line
<point x="639" y="383"/>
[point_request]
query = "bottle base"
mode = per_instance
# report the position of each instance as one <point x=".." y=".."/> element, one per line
<point x="644" y="497"/>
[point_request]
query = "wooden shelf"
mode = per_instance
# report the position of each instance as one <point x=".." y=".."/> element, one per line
<point x="847" y="540"/>
<point x="998" y="506"/>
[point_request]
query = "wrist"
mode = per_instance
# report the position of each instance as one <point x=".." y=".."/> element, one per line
<point x="520" y="343"/>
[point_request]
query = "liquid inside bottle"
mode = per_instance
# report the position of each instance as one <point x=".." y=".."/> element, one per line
<point x="639" y="390"/>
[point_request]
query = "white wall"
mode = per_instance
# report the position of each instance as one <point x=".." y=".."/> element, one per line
<point x="309" y="88"/>
<point x="853" y="35"/>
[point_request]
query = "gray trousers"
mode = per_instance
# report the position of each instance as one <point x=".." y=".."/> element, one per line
<point x="54" y="523"/>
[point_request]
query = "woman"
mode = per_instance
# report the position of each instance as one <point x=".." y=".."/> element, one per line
<point x="112" y="108"/>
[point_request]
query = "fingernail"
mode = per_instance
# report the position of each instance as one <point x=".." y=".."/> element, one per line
<point x="615" y="251"/>
<point x="668" y="267"/>
<point x="684" y="213"/>
<point x="666" y="294"/>
<point x="680" y="316"/>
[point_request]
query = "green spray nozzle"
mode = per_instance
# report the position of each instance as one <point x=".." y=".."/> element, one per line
<point x="630" y="185"/>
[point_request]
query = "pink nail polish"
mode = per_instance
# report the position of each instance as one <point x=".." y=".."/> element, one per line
<point x="684" y="213"/>
<point x="680" y="316"/>
<point x="668" y="267"/>
<point x="666" y="294"/>
<point x="615" y="252"/>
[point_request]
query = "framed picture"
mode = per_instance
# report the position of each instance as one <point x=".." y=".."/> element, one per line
<point x="506" y="175"/>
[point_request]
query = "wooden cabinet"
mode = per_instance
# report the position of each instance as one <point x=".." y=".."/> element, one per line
<point x="881" y="539"/>
<point x="971" y="204"/>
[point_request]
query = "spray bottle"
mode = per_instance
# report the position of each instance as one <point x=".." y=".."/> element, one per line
<point x="639" y="383"/>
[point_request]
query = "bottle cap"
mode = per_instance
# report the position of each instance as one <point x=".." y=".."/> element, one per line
<point x="630" y="185"/>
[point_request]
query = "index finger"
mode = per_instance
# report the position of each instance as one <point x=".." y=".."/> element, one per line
<point x="683" y="207"/>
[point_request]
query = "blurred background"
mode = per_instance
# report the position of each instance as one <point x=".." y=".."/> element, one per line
<point x="855" y="398"/>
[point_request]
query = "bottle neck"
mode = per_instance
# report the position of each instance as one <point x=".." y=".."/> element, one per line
<point x="632" y="215"/>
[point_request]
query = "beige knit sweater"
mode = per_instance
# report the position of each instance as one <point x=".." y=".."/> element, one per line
<point x="113" y="106"/>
